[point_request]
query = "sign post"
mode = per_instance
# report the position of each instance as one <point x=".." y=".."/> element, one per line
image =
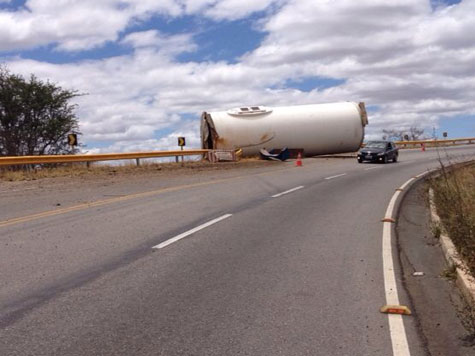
<point x="72" y="140"/>
<point x="181" y="143"/>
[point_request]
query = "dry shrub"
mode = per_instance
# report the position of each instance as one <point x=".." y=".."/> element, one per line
<point x="80" y="169"/>
<point x="454" y="195"/>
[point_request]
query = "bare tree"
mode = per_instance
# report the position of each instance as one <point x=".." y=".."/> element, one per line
<point x="412" y="134"/>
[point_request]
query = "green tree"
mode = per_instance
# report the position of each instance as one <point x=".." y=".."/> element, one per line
<point x="35" y="116"/>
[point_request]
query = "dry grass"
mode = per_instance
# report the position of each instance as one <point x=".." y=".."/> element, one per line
<point x="95" y="170"/>
<point x="454" y="195"/>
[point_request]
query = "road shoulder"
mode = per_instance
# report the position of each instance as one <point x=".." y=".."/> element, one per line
<point x="437" y="304"/>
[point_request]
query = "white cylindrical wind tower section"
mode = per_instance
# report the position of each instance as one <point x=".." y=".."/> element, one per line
<point x="317" y="129"/>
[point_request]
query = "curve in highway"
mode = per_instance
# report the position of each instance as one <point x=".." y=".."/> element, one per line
<point x="268" y="262"/>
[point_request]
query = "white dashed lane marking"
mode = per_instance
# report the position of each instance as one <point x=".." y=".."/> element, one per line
<point x="338" y="175"/>
<point x="192" y="231"/>
<point x="287" y="191"/>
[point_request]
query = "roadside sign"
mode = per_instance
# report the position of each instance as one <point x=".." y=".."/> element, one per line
<point x="72" y="139"/>
<point x="181" y="141"/>
<point x="444" y="134"/>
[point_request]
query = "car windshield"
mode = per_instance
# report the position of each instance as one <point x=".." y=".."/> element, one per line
<point x="376" y="144"/>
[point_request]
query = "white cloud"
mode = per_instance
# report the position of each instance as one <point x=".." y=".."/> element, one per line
<point x="236" y="9"/>
<point x="402" y="56"/>
<point x="413" y="62"/>
<point x="188" y="129"/>
<point x="170" y="45"/>
<point x="73" y="25"/>
<point x="197" y="6"/>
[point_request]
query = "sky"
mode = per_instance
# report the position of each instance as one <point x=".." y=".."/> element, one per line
<point x="149" y="68"/>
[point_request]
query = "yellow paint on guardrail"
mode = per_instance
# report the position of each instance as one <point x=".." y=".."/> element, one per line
<point x="18" y="160"/>
<point x="434" y="143"/>
<point x="445" y="142"/>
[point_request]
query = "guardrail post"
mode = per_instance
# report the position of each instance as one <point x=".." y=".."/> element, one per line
<point x="137" y="160"/>
<point x="88" y="164"/>
<point x="176" y="159"/>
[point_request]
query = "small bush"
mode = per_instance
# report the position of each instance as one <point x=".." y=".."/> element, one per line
<point x="450" y="272"/>
<point x="436" y="230"/>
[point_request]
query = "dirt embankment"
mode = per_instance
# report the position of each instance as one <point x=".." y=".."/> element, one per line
<point x="454" y="196"/>
<point x="98" y="172"/>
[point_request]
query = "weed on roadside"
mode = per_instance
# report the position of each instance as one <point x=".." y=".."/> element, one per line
<point x="454" y="197"/>
<point x="436" y="230"/>
<point x="127" y="169"/>
<point x="467" y="317"/>
<point x="450" y="272"/>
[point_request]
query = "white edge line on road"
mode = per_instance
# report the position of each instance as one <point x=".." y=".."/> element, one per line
<point x="402" y="187"/>
<point x="367" y="169"/>
<point x="287" y="191"/>
<point x="192" y="231"/>
<point x="338" y="175"/>
<point x="396" y="325"/>
<point x="423" y="174"/>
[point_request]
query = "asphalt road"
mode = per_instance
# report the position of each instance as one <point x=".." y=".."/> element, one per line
<point x="299" y="273"/>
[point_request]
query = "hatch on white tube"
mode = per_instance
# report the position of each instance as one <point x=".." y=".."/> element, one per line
<point x="245" y="111"/>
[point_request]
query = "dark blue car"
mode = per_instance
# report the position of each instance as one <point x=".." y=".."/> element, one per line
<point x="378" y="151"/>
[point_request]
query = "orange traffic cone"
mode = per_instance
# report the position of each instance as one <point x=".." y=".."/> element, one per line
<point x="423" y="147"/>
<point x="298" y="163"/>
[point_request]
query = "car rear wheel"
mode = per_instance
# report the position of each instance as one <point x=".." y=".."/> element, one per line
<point x="385" y="159"/>
<point x="360" y="160"/>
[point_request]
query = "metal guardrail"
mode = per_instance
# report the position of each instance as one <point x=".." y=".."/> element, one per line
<point x="19" y="160"/>
<point x="433" y="143"/>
